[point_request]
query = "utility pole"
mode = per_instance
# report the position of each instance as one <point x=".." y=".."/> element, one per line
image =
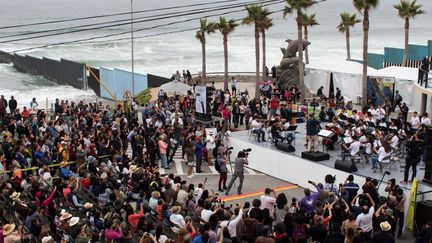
<point x="132" y="52"/>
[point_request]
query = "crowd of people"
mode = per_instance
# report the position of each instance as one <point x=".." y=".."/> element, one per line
<point x="68" y="175"/>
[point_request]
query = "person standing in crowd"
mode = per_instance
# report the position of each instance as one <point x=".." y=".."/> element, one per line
<point x="312" y="129"/>
<point x="415" y="120"/>
<point x="351" y="187"/>
<point x="425" y="120"/>
<point x="239" y="164"/>
<point x="397" y="100"/>
<point x="338" y="93"/>
<point x="221" y="165"/>
<point x="33" y="104"/>
<point x="233" y="86"/>
<point x="414" y="148"/>
<point x="3" y="107"/>
<point x="12" y="105"/>
<point x="190" y="158"/>
<point x="274" y="70"/>
<point x="163" y="147"/>
<point x="199" y="152"/>
<point x="404" y="110"/>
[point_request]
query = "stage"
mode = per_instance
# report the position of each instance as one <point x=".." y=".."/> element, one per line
<point x="293" y="168"/>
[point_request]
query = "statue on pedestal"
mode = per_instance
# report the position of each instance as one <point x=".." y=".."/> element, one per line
<point x="288" y="70"/>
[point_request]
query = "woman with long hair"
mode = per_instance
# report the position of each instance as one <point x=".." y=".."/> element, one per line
<point x="383" y="154"/>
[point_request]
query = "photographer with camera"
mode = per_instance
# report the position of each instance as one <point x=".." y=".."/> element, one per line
<point x="239" y="164"/>
<point x="220" y="166"/>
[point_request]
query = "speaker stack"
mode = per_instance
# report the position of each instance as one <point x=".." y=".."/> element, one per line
<point x="423" y="213"/>
<point x="315" y="156"/>
<point x="285" y="147"/>
<point x="346" y="166"/>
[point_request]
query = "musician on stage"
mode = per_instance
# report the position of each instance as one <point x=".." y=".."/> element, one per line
<point x="312" y="129"/>
<point x="351" y="149"/>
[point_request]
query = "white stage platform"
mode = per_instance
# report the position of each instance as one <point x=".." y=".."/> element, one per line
<point x="294" y="169"/>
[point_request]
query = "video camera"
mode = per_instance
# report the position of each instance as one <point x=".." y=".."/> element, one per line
<point x="247" y="151"/>
<point x="229" y="150"/>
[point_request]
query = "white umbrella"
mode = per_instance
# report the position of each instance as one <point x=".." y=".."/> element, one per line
<point x="176" y="87"/>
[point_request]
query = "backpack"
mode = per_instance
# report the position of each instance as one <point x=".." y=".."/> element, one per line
<point x="217" y="165"/>
<point x="299" y="233"/>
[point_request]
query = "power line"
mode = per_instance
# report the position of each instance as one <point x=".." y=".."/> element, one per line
<point x="115" y="14"/>
<point x="82" y="41"/>
<point x="142" y="21"/>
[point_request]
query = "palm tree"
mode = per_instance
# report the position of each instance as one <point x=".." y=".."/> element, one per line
<point x="255" y="15"/>
<point x="364" y="6"/>
<point x="205" y="28"/>
<point x="225" y="27"/>
<point x="265" y="24"/>
<point x="298" y="6"/>
<point x="308" y="20"/>
<point x="347" y="21"/>
<point x="407" y="10"/>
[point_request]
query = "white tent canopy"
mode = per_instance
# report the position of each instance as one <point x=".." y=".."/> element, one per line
<point x="400" y="73"/>
<point x="176" y="87"/>
<point x="406" y="79"/>
<point x="347" y="75"/>
<point x="341" y="67"/>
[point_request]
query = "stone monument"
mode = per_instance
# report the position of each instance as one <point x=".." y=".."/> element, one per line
<point x="288" y="70"/>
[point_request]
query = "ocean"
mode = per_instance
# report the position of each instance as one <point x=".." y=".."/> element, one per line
<point x="163" y="55"/>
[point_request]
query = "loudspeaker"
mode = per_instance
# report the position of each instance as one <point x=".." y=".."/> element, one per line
<point x="346" y="166"/>
<point x="423" y="213"/>
<point x="285" y="147"/>
<point x="428" y="167"/>
<point x="315" y="156"/>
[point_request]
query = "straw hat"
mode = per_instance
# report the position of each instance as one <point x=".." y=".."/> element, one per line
<point x="73" y="221"/>
<point x="8" y="229"/>
<point x="88" y="205"/>
<point x="133" y="168"/>
<point x="63" y="211"/>
<point x="385" y="226"/>
<point x="15" y="195"/>
<point x="63" y="163"/>
<point x="176" y="209"/>
<point x="65" y="216"/>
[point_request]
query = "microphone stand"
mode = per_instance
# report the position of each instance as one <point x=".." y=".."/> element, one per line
<point x="382" y="178"/>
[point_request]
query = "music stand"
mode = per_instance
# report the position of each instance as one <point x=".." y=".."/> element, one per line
<point x="351" y="120"/>
<point x="325" y="134"/>
<point x="343" y="117"/>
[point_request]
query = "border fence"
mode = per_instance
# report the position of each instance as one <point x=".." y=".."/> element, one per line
<point x="75" y="74"/>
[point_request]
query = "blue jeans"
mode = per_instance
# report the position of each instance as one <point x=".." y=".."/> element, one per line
<point x="375" y="162"/>
<point x="164" y="160"/>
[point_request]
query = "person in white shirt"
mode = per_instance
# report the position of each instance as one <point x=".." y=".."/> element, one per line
<point x="207" y="212"/>
<point x="372" y="112"/>
<point x="231" y="223"/>
<point x="394" y="142"/>
<point x="364" y="220"/>
<point x="353" y="148"/>
<point x="257" y="127"/>
<point x="425" y="119"/>
<point x="380" y="113"/>
<point x="182" y="196"/>
<point x="383" y="152"/>
<point x="415" y="121"/>
<point x="233" y="86"/>
<point x="176" y="218"/>
<point x="268" y="201"/>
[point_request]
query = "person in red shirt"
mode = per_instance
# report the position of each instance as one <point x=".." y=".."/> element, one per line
<point x="274" y="106"/>
<point x="25" y="113"/>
